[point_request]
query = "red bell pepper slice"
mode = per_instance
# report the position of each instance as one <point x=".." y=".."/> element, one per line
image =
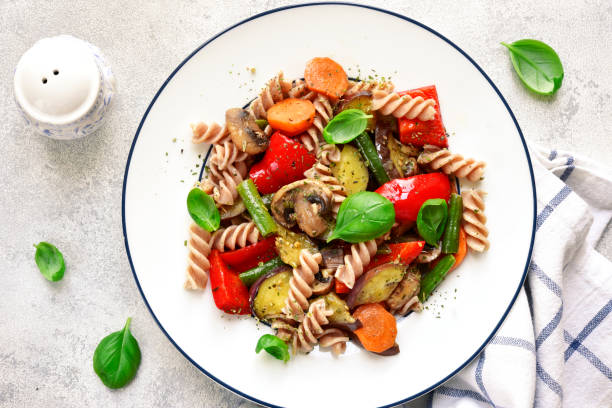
<point x="250" y="256"/>
<point x="418" y="132"/>
<point x="403" y="253"/>
<point x="285" y="161"/>
<point x="229" y="293"/>
<point x="341" y="287"/>
<point x="409" y="194"/>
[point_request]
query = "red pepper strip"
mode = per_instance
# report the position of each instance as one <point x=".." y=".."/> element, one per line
<point x="409" y="194"/>
<point x="285" y="161"/>
<point x="403" y="253"/>
<point x="418" y="132"/>
<point x="341" y="287"/>
<point x="229" y="292"/>
<point x="250" y="256"/>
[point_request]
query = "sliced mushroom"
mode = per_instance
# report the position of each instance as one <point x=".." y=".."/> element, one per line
<point x="323" y="282"/>
<point x="398" y="160"/>
<point x="381" y="140"/>
<point x="429" y="253"/>
<point x="305" y="202"/>
<point x="245" y="132"/>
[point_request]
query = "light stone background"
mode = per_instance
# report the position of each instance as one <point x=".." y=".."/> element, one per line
<point x="69" y="193"/>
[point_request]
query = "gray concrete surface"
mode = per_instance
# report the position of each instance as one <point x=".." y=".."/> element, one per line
<point x="69" y="193"/>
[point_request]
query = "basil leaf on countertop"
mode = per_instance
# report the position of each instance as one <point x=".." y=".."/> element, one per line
<point x="50" y="261"/>
<point x="537" y="65"/>
<point x="117" y="358"/>
<point x="431" y="220"/>
<point x="203" y="210"/>
<point x="346" y="126"/>
<point x="363" y="216"/>
<point x="273" y="346"/>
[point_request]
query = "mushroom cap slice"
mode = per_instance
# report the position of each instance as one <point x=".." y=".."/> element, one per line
<point x="244" y="132"/>
<point x="305" y="202"/>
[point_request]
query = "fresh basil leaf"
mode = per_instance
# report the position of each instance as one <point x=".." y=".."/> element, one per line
<point x="431" y="220"/>
<point x="203" y="210"/>
<point x="363" y="216"/>
<point x="273" y="346"/>
<point x="537" y="65"/>
<point x="50" y="261"/>
<point x="346" y="126"/>
<point x="117" y="358"/>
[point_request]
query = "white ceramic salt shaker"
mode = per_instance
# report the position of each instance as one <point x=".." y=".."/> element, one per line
<point x="63" y="87"/>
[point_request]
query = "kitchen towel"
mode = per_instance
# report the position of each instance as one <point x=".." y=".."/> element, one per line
<point x="555" y="347"/>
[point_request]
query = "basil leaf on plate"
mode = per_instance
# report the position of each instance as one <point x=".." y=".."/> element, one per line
<point x="273" y="346"/>
<point x="363" y="216"/>
<point x="203" y="210"/>
<point x="346" y="126"/>
<point x="50" y="261"/>
<point x="117" y="358"/>
<point x="431" y="220"/>
<point x="537" y="65"/>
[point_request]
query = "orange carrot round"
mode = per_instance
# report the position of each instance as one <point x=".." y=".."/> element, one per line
<point x="326" y="76"/>
<point x="462" y="249"/>
<point x="291" y="116"/>
<point x="379" y="329"/>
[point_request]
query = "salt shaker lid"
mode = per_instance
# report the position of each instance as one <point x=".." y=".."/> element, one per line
<point x="57" y="80"/>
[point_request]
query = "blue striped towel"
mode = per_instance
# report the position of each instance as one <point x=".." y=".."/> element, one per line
<point x="555" y="347"/>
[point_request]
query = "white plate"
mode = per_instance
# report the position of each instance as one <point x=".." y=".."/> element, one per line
<point x="476" y="298"/>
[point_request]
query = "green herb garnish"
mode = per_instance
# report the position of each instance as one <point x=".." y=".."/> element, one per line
<point x="431" y="220"/>
<point x="50" y="261"/>
<point x="117" y="358"/>
<point x="273" y="346"/>
<point x="203" y="210"/>
<point x="346" y="126"/>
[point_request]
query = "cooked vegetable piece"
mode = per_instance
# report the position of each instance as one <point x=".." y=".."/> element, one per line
<point x="333" y="257"/>
<point x="351" y="170"/>
<point x="244" y="132"/>
<point x="376" y="285"/>
<point x="418" y="132"/>
<point x="450" y="241"/>
<point x="230" y="211"/>
<point x="362" y="101"/>
<point x="249" y="277"/>
<point x="406" y="290"/>
<point x="324" y="282"/>
<point x="259" y="213"/>
<point x="250" y="256"/>
<point x="269" y="295"/>
<point x="403" y="253"/>
<point x="369" y="152"/>
<point x="291" y="116"/>
<point x="402" y="157"/>
<point x="341" y="288"/>
<point x="229" y="293"/>
<point x="289" y="244"/>
<point x="341" y="313"/>
<point x="379" y="327"/>
<point x="435" y="276"/>
<point x="262" y="123"/>
<point x="326" y="76"/>
<point x="462" y="251"/>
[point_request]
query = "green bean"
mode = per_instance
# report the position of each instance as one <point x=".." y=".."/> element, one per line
<point x="249" y="277"/>
<point x="450" y="241"/>
<point x="262" y="123"/>
<point x="435" y="276"/>
<point x="369" y="152"/>
<point x="252" y="201"/>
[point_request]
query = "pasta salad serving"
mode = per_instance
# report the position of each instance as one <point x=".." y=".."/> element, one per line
<point x="328" y="207"/>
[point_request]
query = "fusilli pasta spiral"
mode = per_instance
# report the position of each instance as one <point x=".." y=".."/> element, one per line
<point x="451" y="163"/>
<point x="328" y="154"/>
<point x="361" y="86"/>
<point x="334" y="338"/>
<point x="311" y="328"/>
<point x="226" y="153"/>
<point x="276" y="90"/>
<point x="474" y="220"/>
<point x="285" y="329"/>
<point x="235" y="236"/>
<point x="324" y="174"/>
<point x="197" y="260"/>
<point x="323" y="113"/>
<point x="222" y="183"/>
<point x="390" y="103"/>
<point x="354" y="264"/>
<point x="300" y="90"/>
<point x="213" y="133"/>
<point x="300" y="284"/>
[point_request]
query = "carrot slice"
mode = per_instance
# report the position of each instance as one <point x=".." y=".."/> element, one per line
<point x="326" y="76"/>
<point x="462" y="249"/>
<point x="379" y="329"/>
<point x="291" y="116"/>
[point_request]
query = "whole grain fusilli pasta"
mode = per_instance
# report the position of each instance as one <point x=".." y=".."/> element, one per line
<point x="226" y="153"/>
<point x="275" y="90"/>
<point x="451" y="163"/>
<point x="361" y="86"/>
<point x="474" y="220"/>
<point x="197" y="259"/>
<point x="323" y="113"/>
<point x="285" y="328"/>
<point x="328" y="154"/>
<point x="300" y="284"/>
<point x="334" y="338"/>
<point x="222" y="183"/>
<point x="324" y="174"/>
<point x="213" y="133"/>
<point x="300" y="90"/>
<point x="235" y="236"/>
<point x="311" y="328"/>
<point x="390" y="103"/>
<point x="354" y="264"/>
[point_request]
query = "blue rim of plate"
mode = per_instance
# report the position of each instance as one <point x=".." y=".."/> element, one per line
<point x="127" y="167"/>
